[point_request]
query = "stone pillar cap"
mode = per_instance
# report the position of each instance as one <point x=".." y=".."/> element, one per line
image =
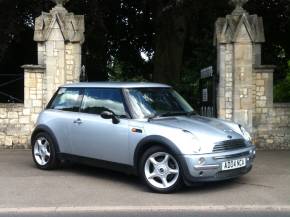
<point x="72" y="26"/>
<point x="227" y="28"/>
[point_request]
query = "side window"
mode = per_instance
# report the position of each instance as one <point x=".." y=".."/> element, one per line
<point x="67" y="99"/>
<point x="97" y="100"/>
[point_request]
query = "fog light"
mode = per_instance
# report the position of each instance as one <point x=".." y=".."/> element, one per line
<point x="201" y="161"/>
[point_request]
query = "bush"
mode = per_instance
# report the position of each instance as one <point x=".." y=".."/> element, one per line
<point x="282" y="88"/>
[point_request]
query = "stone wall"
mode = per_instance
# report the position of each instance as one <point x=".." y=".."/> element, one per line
<point x="273" y="127"/>
<point x="17" y="120"/>
<point x="12" y="132"/>
<point x="271" y="120"/>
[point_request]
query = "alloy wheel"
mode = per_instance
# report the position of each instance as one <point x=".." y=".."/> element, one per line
<point x="42" y="151"/>
<point x="161" y="170"/>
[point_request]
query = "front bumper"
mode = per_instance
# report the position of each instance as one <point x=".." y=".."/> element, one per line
<point x="208" y="167"/>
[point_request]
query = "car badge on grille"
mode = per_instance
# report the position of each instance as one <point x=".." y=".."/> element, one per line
<point x="229" y="136"/>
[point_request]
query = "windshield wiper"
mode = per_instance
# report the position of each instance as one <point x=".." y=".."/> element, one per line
<point x="166" y="114"/>
<point x="178" y="113"/>
<point x="151" y="117"/>
<point x="191" y="113"/>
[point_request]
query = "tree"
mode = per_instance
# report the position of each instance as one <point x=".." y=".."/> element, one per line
<point x="16" y="44"/>
<point x="171" y="30"/>
<point x="276" y="50"/>
<point x="162" y="40"/>
<point x="95" y="54"/>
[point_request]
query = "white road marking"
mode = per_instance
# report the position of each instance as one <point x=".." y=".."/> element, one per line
<point x="145" y="209"/>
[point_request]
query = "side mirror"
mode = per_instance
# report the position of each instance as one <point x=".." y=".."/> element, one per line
<point x="110" y="115"/>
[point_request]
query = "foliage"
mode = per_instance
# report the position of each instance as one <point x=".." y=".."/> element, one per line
<point x="282" y="88"/>
<point x="119" y="31"/>
<point x="116" y="73"/>
<point x="16" y="44"/>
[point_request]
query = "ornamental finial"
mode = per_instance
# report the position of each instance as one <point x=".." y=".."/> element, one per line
<point x="239" y="6"/>
<point x="60" y="2"/>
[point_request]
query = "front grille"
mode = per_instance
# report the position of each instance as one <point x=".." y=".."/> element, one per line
<point x="230" y="145"/>
<point x="231" y="173"/>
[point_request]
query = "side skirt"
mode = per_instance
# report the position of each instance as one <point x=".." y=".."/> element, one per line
<point x="99" y="163"/>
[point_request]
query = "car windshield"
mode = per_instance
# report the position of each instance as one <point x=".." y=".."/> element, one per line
<point x="157" y="102"/>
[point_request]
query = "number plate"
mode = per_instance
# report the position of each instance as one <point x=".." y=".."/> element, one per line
<point x="234" y="164"/>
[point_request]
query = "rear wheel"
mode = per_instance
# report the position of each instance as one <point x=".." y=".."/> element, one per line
<point x="160" y="170"/>
<point x="44" y="152"/>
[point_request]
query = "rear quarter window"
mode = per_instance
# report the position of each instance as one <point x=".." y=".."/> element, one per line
<point x="67" y="99"/>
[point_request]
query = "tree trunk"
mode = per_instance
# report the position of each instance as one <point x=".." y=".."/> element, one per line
<point x="95" y="49"/>
<point x="170" y="38"/>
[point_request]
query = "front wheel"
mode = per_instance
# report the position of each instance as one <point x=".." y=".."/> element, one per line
<point x="44" y="152"/>
<point x="160" y="170"/>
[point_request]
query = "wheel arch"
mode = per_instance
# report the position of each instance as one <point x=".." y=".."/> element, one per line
<point x="45" y="129"/>
<point x="151" y="141"/>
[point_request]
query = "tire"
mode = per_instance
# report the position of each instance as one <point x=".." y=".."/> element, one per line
<point x="160" y="170"/>
<point x="44" y="152"/>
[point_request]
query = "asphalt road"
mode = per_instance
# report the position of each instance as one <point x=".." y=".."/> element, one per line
<point x="151" y="214"/>
<point x="22" y="185"/>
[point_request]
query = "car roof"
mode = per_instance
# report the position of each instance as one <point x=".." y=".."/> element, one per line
<point x="118" y="85"/>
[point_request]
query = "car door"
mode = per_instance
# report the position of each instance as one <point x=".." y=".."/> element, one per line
<point x="98" y="138"/>
<point x="62" y="109"/>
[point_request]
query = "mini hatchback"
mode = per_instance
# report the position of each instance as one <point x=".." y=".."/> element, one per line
<point x="146" y="129"/>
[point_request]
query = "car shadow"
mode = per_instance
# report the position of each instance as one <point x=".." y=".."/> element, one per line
<point x="102" y="174"/>
<point x="207" y="187"/>
<point x="135" y="182"/>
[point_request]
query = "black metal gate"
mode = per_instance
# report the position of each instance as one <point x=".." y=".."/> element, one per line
<point x="208" y="92"/>
<point x="9" y="85"/>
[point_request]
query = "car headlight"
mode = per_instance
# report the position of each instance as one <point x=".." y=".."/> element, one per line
<point x="194" y="142"/>
<point x="245" y="133"/>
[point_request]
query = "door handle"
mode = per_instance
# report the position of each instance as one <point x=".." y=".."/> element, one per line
<point x="78" y="121"/>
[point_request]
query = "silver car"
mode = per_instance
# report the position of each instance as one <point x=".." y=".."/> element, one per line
<point x="141" y="128"/>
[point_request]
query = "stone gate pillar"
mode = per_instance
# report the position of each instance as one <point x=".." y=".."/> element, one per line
<point x="238" y="39"/>
<point x="59" y="35"/>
